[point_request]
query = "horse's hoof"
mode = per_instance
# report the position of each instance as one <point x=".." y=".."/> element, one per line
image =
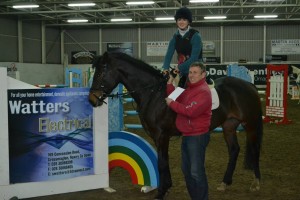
<point x="158" y="198"/>
<point x="255" y="186"/>
<point x="161" y="196"/>
<point x="222" y="187"/>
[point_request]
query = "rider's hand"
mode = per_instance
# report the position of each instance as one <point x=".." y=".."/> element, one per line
<point x="165" y="72"/>
<point x="174" y="73"/>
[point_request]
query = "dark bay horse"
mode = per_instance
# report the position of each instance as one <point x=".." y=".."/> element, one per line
<point x="239" y="104"/>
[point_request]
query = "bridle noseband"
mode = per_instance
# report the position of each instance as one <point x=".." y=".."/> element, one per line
<point x="100" y="99"/>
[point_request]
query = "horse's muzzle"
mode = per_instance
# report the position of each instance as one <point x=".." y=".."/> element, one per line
<point x="95" y="99"/>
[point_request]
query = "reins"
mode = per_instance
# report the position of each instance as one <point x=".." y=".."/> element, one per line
<point x="118" y="95"/>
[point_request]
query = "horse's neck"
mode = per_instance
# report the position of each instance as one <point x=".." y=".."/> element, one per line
<point x="139" y="81"/>
<point x="143" y="90"/>
<point x="143" y="94"/>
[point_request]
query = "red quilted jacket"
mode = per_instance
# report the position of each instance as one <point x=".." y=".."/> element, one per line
<point x="193" y="108"/>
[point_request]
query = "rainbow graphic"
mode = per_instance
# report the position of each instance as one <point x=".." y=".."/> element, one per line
<point x="135" y="155"/>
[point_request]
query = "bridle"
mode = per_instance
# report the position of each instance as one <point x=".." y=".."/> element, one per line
<point x="118" y="95"/>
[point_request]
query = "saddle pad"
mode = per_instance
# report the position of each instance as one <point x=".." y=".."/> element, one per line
<point x="215" y="99"/>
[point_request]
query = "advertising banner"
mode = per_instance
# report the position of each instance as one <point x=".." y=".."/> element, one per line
<point x="260" y="72"/>
<point x="50" y="134"/>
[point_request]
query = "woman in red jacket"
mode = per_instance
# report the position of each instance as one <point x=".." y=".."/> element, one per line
<point x="193" y="108"/>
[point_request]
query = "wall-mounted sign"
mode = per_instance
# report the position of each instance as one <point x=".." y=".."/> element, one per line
<point x="82" y="57"/>
<point x="208" y="47"/>
<point x="285" y="47"/>
<point x="158" y="48"/>
<point x="124" y="47"/>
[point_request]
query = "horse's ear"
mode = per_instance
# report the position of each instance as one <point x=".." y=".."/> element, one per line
<point x="105" y="57"/>
<point x="100" y="60"/>
<point x="97" y="60"/>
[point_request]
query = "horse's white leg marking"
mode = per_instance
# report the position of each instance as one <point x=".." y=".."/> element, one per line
<point x="255" y="186"/>
<point x="146" y="189"/>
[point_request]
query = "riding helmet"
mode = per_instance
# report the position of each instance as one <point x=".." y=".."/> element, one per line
<point x="184" y="13"/>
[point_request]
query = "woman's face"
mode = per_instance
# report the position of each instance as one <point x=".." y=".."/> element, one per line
<point x="182" y="23"/>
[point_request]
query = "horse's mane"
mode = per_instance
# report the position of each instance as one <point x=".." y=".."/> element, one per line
<point x="137" y="63"/>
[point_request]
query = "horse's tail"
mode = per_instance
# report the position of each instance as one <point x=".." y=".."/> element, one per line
<point x="253" y="144"/>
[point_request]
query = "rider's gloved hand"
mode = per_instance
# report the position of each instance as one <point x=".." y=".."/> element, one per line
<point x="166" y="73"/>
<point x="174" y="73"/>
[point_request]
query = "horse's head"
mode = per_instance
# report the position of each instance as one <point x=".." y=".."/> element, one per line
<point x="114" y="68"/>
<point x="104" y="81"/>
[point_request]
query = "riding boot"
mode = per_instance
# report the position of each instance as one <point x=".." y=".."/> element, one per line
<point x="209" y="80"/>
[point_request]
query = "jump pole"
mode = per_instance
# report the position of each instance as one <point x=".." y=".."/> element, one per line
<point x="131" y="113"/>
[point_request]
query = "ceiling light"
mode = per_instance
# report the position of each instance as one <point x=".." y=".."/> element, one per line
<point x="204" y="1"/>
<point x="77" y="20"/>
<point x="164" y="18"/>
<point x="121" y="20"/>
<point x="269" y="0"/>
<point x="81" y="4"/>
<point x="26" y="6"/>
<point x="139" y="2"/>
<point x="265" y="16"/>
<point x="215" y="17"/>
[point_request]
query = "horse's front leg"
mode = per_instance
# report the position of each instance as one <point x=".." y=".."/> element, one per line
<point x="165" y="181"/>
